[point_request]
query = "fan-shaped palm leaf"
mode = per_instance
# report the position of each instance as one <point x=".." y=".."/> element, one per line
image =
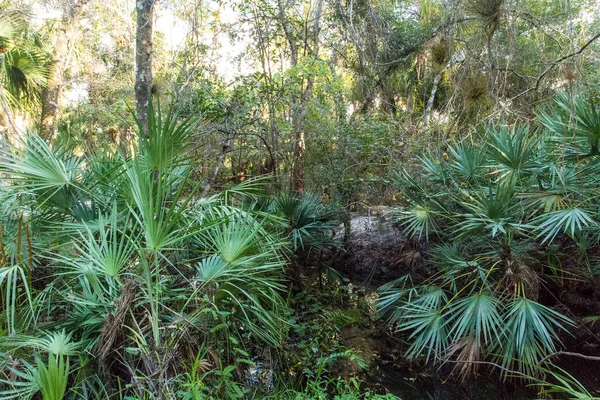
<point x="570" y="221"/>
<point x="531" y="331"/>
<point x="512" y="151"/>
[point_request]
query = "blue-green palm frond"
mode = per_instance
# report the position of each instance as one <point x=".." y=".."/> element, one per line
<point x="491" y="211"/>
<point x="574" y="122"/>
<point x="532" y="333"/>
<point x="467" y="161"/>
<point x="478" y="316"/>
<point x="570" y="221"/>
<point x="512" y="151"/>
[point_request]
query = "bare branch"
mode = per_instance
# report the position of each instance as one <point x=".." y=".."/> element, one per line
<point x="554" y="64"/>
<point x="568" y="353"/>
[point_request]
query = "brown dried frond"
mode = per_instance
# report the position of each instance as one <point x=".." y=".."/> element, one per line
<point x="204" y="365"/>
<point x="112" y="331"/>
<point x="410" y="257"/>
<point x="520" y="275"/>
<point x="469" y="350"/>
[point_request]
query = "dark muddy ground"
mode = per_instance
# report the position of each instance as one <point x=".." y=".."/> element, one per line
<point x="377" y="252"/>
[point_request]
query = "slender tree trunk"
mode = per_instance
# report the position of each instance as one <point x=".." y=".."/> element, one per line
<point x="299" y="113"/>
<point x="50" y="97"/>
<point x="430" y="101"/>
<point x="317" y="27"/>
<point x="297" y="173"/>
<point x="289" y="36"/>
<point x="6" y="121"/>
<point x="143" y="61"/>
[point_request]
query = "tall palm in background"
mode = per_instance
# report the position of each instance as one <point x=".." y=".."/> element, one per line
<point x="23" y="70"/>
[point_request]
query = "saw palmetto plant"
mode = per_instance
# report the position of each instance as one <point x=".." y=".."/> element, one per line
<point x="492" y="213"/>
<point x="128" y="263"/>
<point x="23" y="63"/>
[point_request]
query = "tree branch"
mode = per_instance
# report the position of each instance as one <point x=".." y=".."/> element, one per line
<point x="554" y="64"/>
<point x="510" y="371"/>
<point x="567" y="353"/>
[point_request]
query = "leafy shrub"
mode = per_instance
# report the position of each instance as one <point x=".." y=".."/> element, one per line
<point x="129" y="263"/>
<point x="494" y="213"/>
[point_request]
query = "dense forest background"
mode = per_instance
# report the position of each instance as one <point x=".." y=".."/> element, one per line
<point x="299" y="199"/>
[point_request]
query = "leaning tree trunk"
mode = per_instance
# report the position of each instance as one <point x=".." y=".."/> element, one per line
<point x="143" y="61"/>
<point x="50" y="97"/>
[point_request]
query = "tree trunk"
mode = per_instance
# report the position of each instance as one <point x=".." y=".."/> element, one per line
<point x="289" y="36"/>
<point x="430" y="101"/>
<point x="50" y="97"/>
<point x="143" y="61"/>
<point x="299" y="113"/>
<point x="6" y="122"/>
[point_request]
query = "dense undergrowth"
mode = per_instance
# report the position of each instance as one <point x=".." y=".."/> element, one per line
<point x="119" y="280"/>
<point x="510" y="221"/>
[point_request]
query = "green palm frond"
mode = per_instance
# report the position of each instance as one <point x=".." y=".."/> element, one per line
<point x="166" y="146"/>
<point x="429" y="330"/>
<point x="245" y="270"/>
<point x="57" y="343"/>
<point x="477" y="316"/>
<point x="532" y="332"/>
<point x="492" y="211"/>
<point x="10" y="25"/>
<point x="512" y="151"/>
<point x="421" y="313"/>
<point x="33" y="163"/>
<point x="52" y="377"/>
<point x="413" y="191"/>
<point x="569" y="220"/>
<point x="307" y="230"/>
<point x="23" y="69"/>
<point x="392" y="296"/>
<point x="23" y="73"/>
<point x="435" y="168"/>
<point x="25" y="386"/>
<point x="467" y="161"/>
<point x="157" y="205"/>
<point x="104" y="253"/>
<point x="418" y="221"/>
<point x="573" y="120"/>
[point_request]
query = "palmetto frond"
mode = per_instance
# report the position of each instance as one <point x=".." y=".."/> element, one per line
<point x="307" y="230"/>
<point x="23" y="70"/>
<point x="532" y="332"/>
<point x="33" y="164"/>
<point x="244" y="270"/>
<point x="478" y="316"/>
<point x="574" y="122"/>
<point x="467" y="161"/>
<point x="512" y="151"/>
<point x="570" y="220"/>
<point x="429" y="330"/>
<point x="166" y="146"/>
<point x="418" y="221"/>
<point x="490" y="211"/>
<point x="497" y="204"/>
